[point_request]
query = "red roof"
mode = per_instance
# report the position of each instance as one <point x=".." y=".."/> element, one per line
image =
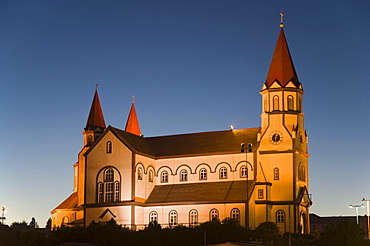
<point x="282" y="68"/>
<point x="96" y="118"/>
<point x="132" y="125"/>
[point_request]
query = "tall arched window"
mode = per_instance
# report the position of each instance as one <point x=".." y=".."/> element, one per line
<point x="235" y="214"/>
<point x="301" y="172"/>
<point x="244" y="172"/>
<point x="276" y="103"/>
<point x="203" y="174"/>
<point x="223" y="173"/>
<point x="276" y="173"/>
<point x="265" y="104"/>
<point x="108" y="185"/>
<point x="117" y="191"/>
<point x="164" y="177"/>
<point x="100" y="192"/>
<point x="153" y="217"/>
<point x="290" y="103"/>
<point x="172" y="218"/>
<point x="150" y="176"/>
<point x="280" y="216"/>
<point x="193" y="217"/>
<point x="89" y="140"/>
<point x="109" y="175"/>
<point x="140" y="173"/>
<point x="213" y="214"/>
<point x="183" y="175"/>
<point x="109" y="147"/>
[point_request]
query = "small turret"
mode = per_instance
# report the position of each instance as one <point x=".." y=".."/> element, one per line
<point x="95" y="124"/>
<point x="132" y="125"/>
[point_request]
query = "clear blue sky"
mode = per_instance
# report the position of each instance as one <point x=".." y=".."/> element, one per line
<point x="193" y="66"/>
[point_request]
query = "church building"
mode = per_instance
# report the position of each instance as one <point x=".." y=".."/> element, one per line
<point x="252" y="175"/>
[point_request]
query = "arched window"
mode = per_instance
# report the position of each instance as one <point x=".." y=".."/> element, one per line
<point x="290" y="103"/>
<point x="265" y="104"/>
<point x="203" y="174"/>
<point x="150" y="176"/>
<point x="109" y="175"/>
<point x="108" y="185"/>
<point x="301" y="172"/>
<point x="244" y="172"/>
<point x="223" y="173"/>
<point x="235" y="214"/>
<point x="276" y="103"/>
<point x="100" y="192"/>
<point x="164" y="177"/>
<point x="183" y="175"/>
<point x="280" y="216"/>
<point x="89" y="140"/>
<point x="153" y="217"/>
<point x="109" y="147"/>
<point x="193" y="217"/>
<point x="276" y="173"/>
<point x="65" y="221"/>
<point x="172" y="218"/>
<point x="213" y="214"/>
<point x="140" y="173"/>
<point x="117" y="191"/>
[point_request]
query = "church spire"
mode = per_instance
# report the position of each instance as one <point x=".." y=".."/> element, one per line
<point x="96" y="118"/>
<point x="282" y="68"/>
<point x="132" y="125"/>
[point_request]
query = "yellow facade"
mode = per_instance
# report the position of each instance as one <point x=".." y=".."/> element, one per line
<point x="136" y="180"/>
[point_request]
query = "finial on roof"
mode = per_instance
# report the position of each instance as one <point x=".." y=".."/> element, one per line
<point x="281" y="19"/>
<point x="96" y="87"/>
<point x="133" y="98"/>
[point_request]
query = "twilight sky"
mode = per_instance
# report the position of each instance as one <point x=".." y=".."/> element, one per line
<point x="193" y="66"/>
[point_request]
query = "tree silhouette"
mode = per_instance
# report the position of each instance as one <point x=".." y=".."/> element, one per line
<point x="33" y="223"/>
<point x="343" y="232"/>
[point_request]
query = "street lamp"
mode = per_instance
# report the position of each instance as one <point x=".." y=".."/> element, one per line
<point x="367" y="214"/>
<point x="356" y="207"/>
<point x="246" y="149"/>
<point x="2" y="218"/>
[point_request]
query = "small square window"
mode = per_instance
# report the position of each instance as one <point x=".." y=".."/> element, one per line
<point x="260" y="193"/>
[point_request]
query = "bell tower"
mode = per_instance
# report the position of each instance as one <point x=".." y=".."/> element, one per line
<point x="95" y="124"/>
<point x="283" y="143"/>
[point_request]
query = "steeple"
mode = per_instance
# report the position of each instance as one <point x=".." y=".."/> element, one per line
<point x="132" y="125"/>
<point x="282" y="68"/>
<point x="96" y="118"/>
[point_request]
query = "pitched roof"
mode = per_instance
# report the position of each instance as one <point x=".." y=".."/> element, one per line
<point x="69" y="203"/>
<point x="96" y="118"/>
<point x="282" y="68"/>
<point x="229" y="191"/>
<point x="132" y="124"/>
<point x="193" y="144"/>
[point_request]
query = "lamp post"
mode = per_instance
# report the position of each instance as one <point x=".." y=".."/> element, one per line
<point x="246" y="149"/>
<point x="367" y="214"/>
<point x="356" y="207"/>
<point x="2" y="218"/>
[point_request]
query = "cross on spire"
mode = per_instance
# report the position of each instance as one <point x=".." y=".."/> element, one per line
<point x="281" y="19"/>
